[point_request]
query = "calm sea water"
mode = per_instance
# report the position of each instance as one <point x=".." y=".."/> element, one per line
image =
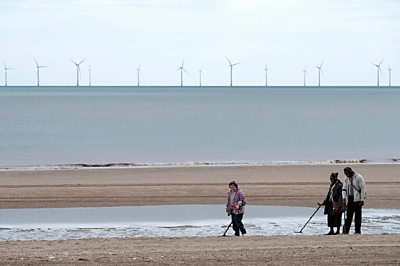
<point x="67" y="125"/>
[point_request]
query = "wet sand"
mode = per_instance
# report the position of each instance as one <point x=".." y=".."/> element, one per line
<point x="264" y="185"/>
<point x="288" y="185"/>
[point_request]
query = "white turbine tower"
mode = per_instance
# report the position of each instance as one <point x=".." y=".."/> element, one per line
<point x="6" y="74"/>
<point x="231" y="67"/>
<point x="390" y="76"/>
<point x="304" y="75"/>
<point x="138" y="74"/>
<point x="200" y="73"/>
<point x="90" y="75"/>
<point x="378" y="70"/>
<point x="181" y="68"/>
<point x="78" y="70"/>
<point x="319" y="73"/>
<point x="266" y="75"/>
<point x="38" y="67"/>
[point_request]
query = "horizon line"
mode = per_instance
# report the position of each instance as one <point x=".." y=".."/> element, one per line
<point x="211" y="86"/>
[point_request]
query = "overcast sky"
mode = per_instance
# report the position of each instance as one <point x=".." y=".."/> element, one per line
<point x="117" y="35"/>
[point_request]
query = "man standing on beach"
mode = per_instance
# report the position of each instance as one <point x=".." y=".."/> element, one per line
<point x="354" y="192"/>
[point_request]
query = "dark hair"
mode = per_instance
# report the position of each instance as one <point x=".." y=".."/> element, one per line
<point x="233" y="183"/>
<point x="334" y="175"/>
<point x="348" y="170"/>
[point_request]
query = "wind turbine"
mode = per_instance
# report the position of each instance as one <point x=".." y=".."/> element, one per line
<point x="200" y="73"/>
<point x="266" y="75"/>
<point x="378" y="69"/>
<point x="181" y="68"/>
<point x="38" y="67"/>
<point x="6" y="74"/>
<point x="78" y="70"/>
<point x="138" y="74"/>
<point x="319" y="73"/>
<point x="231" y="66"/>
<point x="90" y="76"/>
<point x="390" y="76"/>
<point x="304" y="75"/>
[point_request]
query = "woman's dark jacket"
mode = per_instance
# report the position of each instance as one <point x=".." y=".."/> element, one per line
<point x="337" y="195"/>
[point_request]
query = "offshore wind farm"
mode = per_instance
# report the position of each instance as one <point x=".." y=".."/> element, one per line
<point x="182" y="71"/>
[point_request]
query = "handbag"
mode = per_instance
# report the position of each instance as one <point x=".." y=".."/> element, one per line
<point x="339" y="206"/>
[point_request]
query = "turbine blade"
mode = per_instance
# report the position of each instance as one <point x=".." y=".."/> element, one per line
<point x="381" y="61"/>
<point x="236" y="64"/>
<point x="82" y="61"/>
<point x="183" y="62"/>
<point x="37" y="65"/>
<point x="74" y="62"/>
<point x="229" y="61"/>
<point x="185" y="71"/>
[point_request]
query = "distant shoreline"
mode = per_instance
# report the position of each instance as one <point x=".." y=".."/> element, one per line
<point x="116" y="165"/>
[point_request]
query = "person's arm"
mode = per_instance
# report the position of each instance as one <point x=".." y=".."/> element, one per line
<point x="361" y="185"/>
<point x="337" y="193"/>
<point x="227" y="204"/>
<point x="344" y="190"/>
<point x="241" y="198"/>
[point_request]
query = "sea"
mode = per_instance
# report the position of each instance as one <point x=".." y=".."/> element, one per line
<point x="65" y="126"/>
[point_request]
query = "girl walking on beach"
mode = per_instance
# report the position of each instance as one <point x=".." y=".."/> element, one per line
<point x="334" y="204"/>
<point x="235" y="207"/>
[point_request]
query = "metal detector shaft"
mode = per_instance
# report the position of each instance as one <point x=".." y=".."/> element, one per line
<point x="229" y="226"/>
<point x="301" y="230"/>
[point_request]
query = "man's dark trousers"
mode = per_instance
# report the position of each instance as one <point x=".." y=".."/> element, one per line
<point x="353" y="208"/>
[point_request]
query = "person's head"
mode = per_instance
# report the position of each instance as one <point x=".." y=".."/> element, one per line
<point x="334" y="177"/>
<point x="348" y="172"/>
<point x="233" y="185"/>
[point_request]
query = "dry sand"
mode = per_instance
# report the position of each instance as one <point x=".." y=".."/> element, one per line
<point x="275" y="250"/>
<point x="288" y="185"/>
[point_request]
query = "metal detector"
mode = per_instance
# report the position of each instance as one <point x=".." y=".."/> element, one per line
<point x="301" y="230"/>
<point x="229" y="226"/>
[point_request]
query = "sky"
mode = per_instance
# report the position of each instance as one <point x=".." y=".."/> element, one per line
<point x="116" y="36"/>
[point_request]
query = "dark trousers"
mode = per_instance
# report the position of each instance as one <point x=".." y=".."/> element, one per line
<point x="353" y="208"/>
<point x="334" y="219"/>
<point x="237" y="224"/>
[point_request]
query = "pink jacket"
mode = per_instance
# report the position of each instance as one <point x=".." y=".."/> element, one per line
<point x="237" y="200"/>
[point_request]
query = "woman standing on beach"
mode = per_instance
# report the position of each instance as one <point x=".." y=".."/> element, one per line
<point x="334" y="204"/>
<point x="235" y="207"/>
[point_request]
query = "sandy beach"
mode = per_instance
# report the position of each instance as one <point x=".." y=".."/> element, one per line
<point x="287" y="185"/>
<point x="277" y="250"/>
